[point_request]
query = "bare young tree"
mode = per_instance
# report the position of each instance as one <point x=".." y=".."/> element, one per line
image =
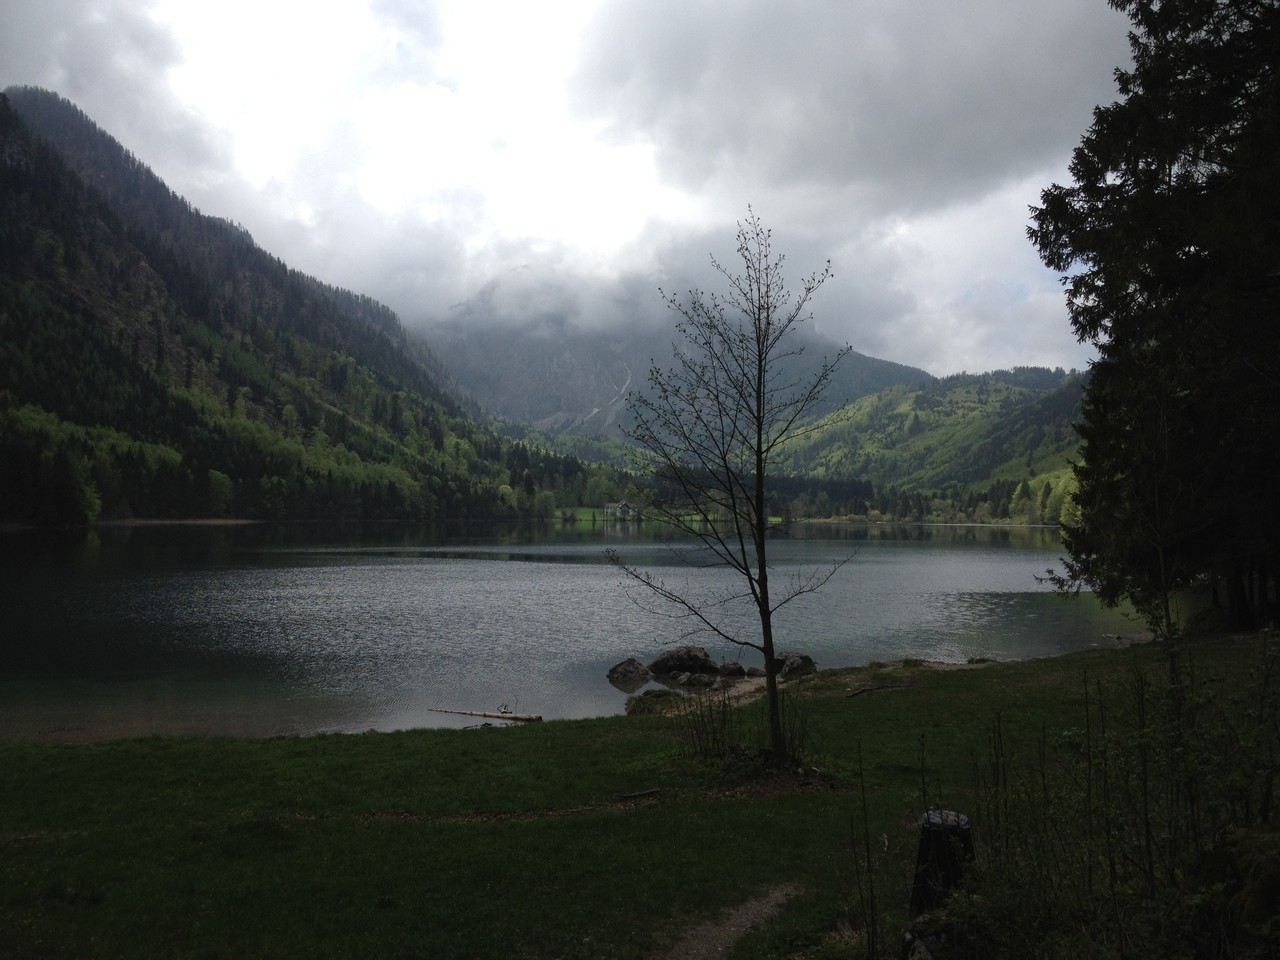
<point x="712" y="427"/>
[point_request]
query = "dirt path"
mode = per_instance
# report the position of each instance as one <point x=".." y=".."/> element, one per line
<point x="715" y="938"/>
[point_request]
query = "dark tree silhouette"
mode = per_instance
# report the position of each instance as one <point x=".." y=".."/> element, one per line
<point x="1170" y="250"/>
<point x="712" y="427"/>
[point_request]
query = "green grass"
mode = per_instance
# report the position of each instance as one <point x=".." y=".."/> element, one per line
<point x="506" y="842"/>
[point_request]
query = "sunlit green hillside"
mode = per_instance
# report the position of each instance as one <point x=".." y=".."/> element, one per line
<point x="968" y="439"/>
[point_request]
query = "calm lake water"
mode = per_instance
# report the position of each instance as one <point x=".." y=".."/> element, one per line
<point x="254" y="631"/>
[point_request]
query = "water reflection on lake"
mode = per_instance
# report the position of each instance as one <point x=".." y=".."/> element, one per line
<point x="257" y="631"/>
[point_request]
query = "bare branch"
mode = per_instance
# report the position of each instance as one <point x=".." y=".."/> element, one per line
<point x="708" y="429"/>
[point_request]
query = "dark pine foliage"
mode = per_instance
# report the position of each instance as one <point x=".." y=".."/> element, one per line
<point x="1169" y="238"/>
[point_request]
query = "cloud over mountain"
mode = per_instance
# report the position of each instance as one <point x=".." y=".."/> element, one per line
<point x="584" y="154"/>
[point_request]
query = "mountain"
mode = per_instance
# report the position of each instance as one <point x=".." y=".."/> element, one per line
<point x="901" y="443"/>
<point x="208" y="257"/>
<point x="967" y="440"/>
<point x="561" y="380"/>
<point x="154" y="361"/>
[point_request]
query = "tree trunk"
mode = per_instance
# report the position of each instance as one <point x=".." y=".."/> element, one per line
<point x="777" y="739"/>
<point x="1239" y="614"/>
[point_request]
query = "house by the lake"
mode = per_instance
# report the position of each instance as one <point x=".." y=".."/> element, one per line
<point x="620" y="511"/>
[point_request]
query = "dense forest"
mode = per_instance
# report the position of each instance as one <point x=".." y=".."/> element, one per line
<point x="154" y="362"/>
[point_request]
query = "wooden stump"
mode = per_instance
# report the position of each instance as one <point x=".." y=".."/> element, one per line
<point x="946" y="845"/>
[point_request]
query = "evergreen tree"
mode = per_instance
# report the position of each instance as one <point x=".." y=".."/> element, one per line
<point x="1170" y="241"/>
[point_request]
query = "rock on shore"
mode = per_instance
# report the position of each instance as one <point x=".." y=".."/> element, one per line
<point x="692" y="666"/>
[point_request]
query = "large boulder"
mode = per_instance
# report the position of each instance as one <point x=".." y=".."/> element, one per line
<point x="791" y="664"/>
<point x="684" y="659"/>
<point x="628" y="675"/>
<point x="731" y="668"/>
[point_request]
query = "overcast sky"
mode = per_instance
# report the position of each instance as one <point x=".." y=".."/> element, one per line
<point x="562" y="160"/>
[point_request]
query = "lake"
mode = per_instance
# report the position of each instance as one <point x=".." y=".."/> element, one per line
<point x="259" y="631"/>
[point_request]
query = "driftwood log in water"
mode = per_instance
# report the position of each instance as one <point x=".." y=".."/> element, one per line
<point x="493" y="714"/>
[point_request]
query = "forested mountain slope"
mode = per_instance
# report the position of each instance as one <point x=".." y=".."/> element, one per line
<point x="980" y="445"/>
<point x="155" y="362"/>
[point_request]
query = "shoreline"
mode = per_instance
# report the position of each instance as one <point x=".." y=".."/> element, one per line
<point x="745" y="691"/>
<point x="135" y="522"/>
<point x="180" y="522"/>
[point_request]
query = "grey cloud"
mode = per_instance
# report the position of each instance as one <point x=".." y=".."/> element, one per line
<point x="415" y="17"/>
<point x="415" y="267"/>
<point x="837" y="121"/>
<point x="908" y="105"/>
<point x="81" y="47"/>
<point x="872" y="302"/>
<point x="109" y="58"/>
<point x="419" y="35"/>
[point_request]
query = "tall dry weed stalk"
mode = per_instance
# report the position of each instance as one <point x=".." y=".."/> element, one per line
<point x="712" y="725"/>
<point x="1098" y="840"/>
<point x="709" y="725"/>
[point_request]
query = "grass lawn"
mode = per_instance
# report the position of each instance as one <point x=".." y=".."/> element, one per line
<point x="597" y="838"/>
